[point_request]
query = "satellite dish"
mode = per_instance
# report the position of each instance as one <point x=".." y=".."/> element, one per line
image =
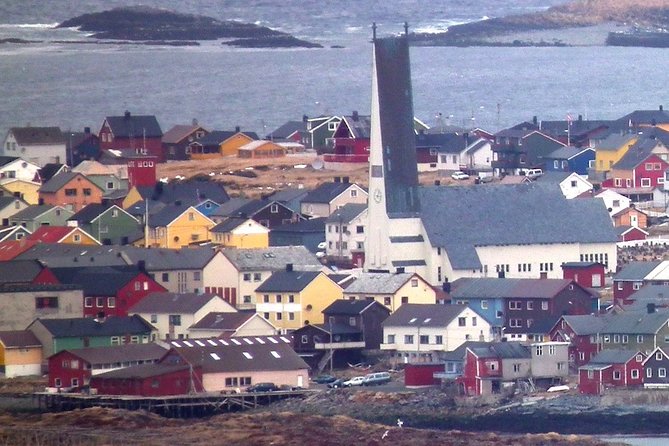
<point x="317" y="164"/>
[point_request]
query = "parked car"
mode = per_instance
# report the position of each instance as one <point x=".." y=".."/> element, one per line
<point x="376" y="379"/>
<point x="336" y="384"/>
<point x="324" y="379"/>
<point x="357" y="381"/>
<point x="533" y="173"/>
<point x="459" y="175"/>
<point x="262" y="387"/>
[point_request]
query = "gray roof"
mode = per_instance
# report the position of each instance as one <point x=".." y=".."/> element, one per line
<point x="424" y="315"/>
<point x="240" y="354"/>
<point x="346" y="213"/>
<point x="647" y="293"/>
<point x="636" y="323"/>
<point x="586" y="324"/>
<point x="287" y="281"/>
<point x="230" y="207"/>
<point x="178" y="303"/>
<point x="378" y="283"/>
<point x="636" y="271"/>
<point x="229" y="224"/>
<point x="615" y="141"/>
<point x="548" y="218"/>
<point x="19" y="339"/>
<point x="20" y="271"/>
<point x="351" y="307"/>
<point x="288" y="129"/>
<point x="58" y="181"/>
<point x="38" y="135"/>
<point x="167" y="214"/>
<point x="134" y="126"/>
<point x="637" y="154"/>
<point x="87" y="326"/>
<point x="444" y="142"/>
<point x="459" y="353"/>
<point x="613" y="356"/>
<point x="178" y="133"/>
<point x="493" y="287"/>
<point x="312" y="225"/>
<point x="503" y="350"/>
<point x="289" y="194"/>
<point x="553" y="176"/>
<point x="223" y="321"/>
<point x="119" y="353"/>
<point x="326" y="192"/>
<point x="273" y="258"/>
<point x="358" y="125"/>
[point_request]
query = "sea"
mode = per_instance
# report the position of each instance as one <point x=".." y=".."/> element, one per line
<point x="77" y="85"/>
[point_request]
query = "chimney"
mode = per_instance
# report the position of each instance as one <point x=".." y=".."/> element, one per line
<point x="466" y="136"/>
<point x="446" y="286"/>
<point x="345" y="180"/>
<point x="661" y="107"/>
<point x="534" y="120"/>
<point x="650" y="308"/>
<point x="238" y="129"/>
<point x="437" y="182"/>
<point x="356" y="117"/>
<point x="337" y="179"/>
<point x="127" y="114"/>
<point x="305" y="118"/>
<point x="289" y="267"/>
<point x="400" y="270"/>
<point x="87" y="130"/>
<point x="194" y="122"/>
<point x="580" y="117"/>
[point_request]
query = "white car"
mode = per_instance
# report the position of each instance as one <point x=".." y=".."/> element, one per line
<point x="357" y="381"/>
<point x="459" y="175"/>
<point x="322" y="245"/>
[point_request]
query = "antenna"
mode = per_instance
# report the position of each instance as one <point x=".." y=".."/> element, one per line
<point x="406" y="29"/>
<point x="373" y="31"/>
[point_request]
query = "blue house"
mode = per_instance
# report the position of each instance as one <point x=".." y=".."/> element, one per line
<point x="207" y="207"/>
<point x="570" y="159"/>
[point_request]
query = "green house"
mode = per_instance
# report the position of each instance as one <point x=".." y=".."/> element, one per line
<point x="109" y="224"/>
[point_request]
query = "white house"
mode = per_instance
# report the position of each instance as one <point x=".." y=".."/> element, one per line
<point x="18" y="169"/>
<point x="345" y="232"/>
<point x="38" y="145"/>
<point x="328" y="197"/>
<point x="417" y="332"/>
<point x="472" y="153"/>
<point x="613" y="201"/>
<point x="571" y="184"/>
<point x="173" y="313"/>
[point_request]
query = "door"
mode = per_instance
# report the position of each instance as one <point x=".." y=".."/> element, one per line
<point x="300" y="380"/>
<point x="634" y="220"/>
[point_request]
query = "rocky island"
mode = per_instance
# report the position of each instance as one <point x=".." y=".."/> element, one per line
<point x="142" y="24"/>
<point x="577" y="23"/>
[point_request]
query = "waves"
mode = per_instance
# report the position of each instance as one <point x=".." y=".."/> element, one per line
<point x="441" y="26"/>
<point x="29" y="25"/>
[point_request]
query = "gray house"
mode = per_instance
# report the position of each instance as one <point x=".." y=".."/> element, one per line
<point x="37" y="215"/>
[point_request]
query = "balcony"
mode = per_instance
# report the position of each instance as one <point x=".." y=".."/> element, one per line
<point x="339" y="345"/>
<point x="345" y="158"/>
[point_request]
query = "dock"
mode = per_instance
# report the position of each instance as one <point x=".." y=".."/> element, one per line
<point x="173" y="406"/>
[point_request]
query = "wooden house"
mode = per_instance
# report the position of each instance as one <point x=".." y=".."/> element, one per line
<point x="149" y="380"/>
<point x="62" y="234"/>
<point x="37" y="145"/>
<point x="10" y="206"/>
<point x="38" y="215"/>
<point x="20" y="354"/>
<point x="139" y="133"/>
<point x="176" y="140"/>
<point x="231" y="324"/>
<point x="391" y="289"/>
<point x="655" y="368"/>
<point x="261" y="149"/>
<point x="240" y="232"/>
<point x="328" y="197"/>
<point x="71" y="190"/>
<point x="611" y="368"/>
<point x="23" y="303"/>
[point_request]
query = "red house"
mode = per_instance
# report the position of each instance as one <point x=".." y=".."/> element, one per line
<point x="141" y="170"/>
<point x="25" y="272"/>
<point x="482" y="372"/>
<point x="581" y="332"/>
<point x="422" y="374"/>
<point x="141" y="134"/>
<point x="350" y="142"/>
<point x="630" y="279"/>
<point x="611" y="368"/>
<point x="109" y="291"/>
<point x="630" y="233"/>
<point x="74" y="368"/>
<point x="586" y="274"/>
<point x="149" y="380"/>
<point x="641" y="167"/>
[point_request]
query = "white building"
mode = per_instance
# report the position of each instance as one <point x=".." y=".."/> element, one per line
<point x="38" y="145"/>
<point x="345" y="232"/>
<point x="613" y="201"/>
<point x="12" y="169"/>
<point x="570" y="183"/>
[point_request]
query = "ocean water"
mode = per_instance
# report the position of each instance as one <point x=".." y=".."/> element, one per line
<point x="74" y="85"/>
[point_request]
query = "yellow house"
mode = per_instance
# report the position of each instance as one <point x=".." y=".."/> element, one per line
<point x="392" y="289"/>
<point x="178" y="226"/>
<point x="20" y="353"/>
<point x="261" y="149"/>
<point x="239" y="232"/>
<point x="230" y="147"/>
<point x="611" y="149"/>
<point x="27" y="190"/>
<point x="292" y="299"/>
<point x="63" y="234"/>
<point x="133" y="197"/>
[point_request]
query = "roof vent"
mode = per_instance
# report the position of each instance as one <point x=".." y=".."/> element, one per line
<point x="127" y="114"/>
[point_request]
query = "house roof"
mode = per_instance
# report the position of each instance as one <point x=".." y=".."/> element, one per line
<point x="459" y="353"/>
<point x="19" y="339"/>
<point x="358" y="125"/>
<point x="288" y="281"/>
<point x="240" y="354"/>
<point x="635" y="271"/>
<point x="134" y="126"/>
<point x="289" y="194"/>
<point x="223" y="321"/>
<point x="316" y="225"/>
<point x="49" y="170"/>
<point x="424" y="315"/>
<point x="229" y="224"/>
<point x="37" y="135"/>
<point x="187" y="191"/>
<point x="119" y="353"/>
<point x="287" y="129"/>
<point x="57" y="182"/>
<point x="90" y="212"/>
<point x="141" y="371"/>
<point x="33" y="211"/>
<point x="586" y="324"/>
<point x="92" y="167"/>
<point x="493" y="287"/>
<point x="379" y="283"/>
<point x="20" y="271"/>
<point x="4" y="160"/>
<point x="87" y="326"/>
<point x="51" y="234"/>
<point x="97" y="280"/>
<point x="326" y="192"/>
<point x="553" y="176"/>
<point x="548" y="218"/>
<point x="346" y="213"/>
<point x="178" y="133"/>
<point x="453" y="142"/>
<point x="168" y="214"/>
<point x="567" y="152"/>
<point x="613" y="356"/>
<point x="637" y="154"/>
<point x="637" y="322"/>
<point x="231" y="207"/>
<point x="274" y="258"/>
<point x="179" y="303"/>
<point x="9" y="201"/>
<point x="503" y="350"/>
<point x="658" y="116"/>
<point x="615" y="141"/>
<point x="645" y="293"/>
<point x="351" y="307"/>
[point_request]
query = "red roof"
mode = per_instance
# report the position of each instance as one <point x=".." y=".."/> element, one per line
<point x="50" y="234"/>
<point x="10" y="249"/>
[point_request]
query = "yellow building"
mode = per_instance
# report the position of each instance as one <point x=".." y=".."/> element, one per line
<point x="178" y="226"/>
<point x="239" y="232"/>
<point x="230" y="147"/>
<point x="292" y="299"/>
<point x="133" y="197"/>
<point x="26" y="190"/>
<point x="611" y="149"/>
<point x="392" y="289"/>
<point x="20" y="353"/>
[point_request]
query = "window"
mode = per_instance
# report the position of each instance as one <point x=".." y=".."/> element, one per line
<point x="360" y="229"/>
<point x="515" y="323"/>
<point x="635" y="374"/>
<point x="257" y="277"/>
<point x="516" y="368"/>
<point x="414" y="283"/>
<point x="662" y="372"/>
<point x="246" y="299"/>
<point x="544" y="305"/>
<point x="88" y="302"/>
<point x="266" y="315"/>
<point x="279" y="298"/>
<point x="291" y="316"/>
<point x="247" y="277"/>
<point x="75" y="382"/>
<point x="279" y="316"/>
<point x="462" y="322"/>
<point x="391" y="339"/>
<point x="624" y="339"/>
<point x="46" y="302"/>
<point x="636" y="286"/>
<point x="291" y="298"/>
<point x="474" y="321"/>
<point x="165" y="277"/>
<point x="405" y="299"/>
<point x="274" y="209"/>
<point x="616" y="339"/>
<point x="115" y="340"/>
<point x="352" y="321"/>
<point x="70" y="192"/>
<point x="354" y="193"/>
<point x="639" y="339"/>
<point x="265" y="298"/>
<point x="561" y="366"/>
<point x="175" y="320"/>
<point x="515" y="305"/>
<point x="649" y="372"/>
<point x="539" y="350"/>
<point x="484" y="304"/>
<point x="87" y="192"/>
<point x="530" y="305"/>
<point x="305" y="339"/>
<point x="607" y="339"/>
<point x="424" y="339"/>
<point x="408" y="339"/>
<point x="191" y="216"/>
<point x="111" y="302"/>
<point x="154" y="318"/>
<point x="645" y="182"/>
<point x="649" y="166"/>
<point x="438" y="339"/>
<point x="386" y="300"/>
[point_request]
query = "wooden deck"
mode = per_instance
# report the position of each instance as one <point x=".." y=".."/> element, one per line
<point x="175" y="406"/>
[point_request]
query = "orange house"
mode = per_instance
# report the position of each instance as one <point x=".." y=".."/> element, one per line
<point x="230" y="147"/>
<point x="261" y="149"/>
<point x="71" y="190"/>
<point x="631" y="217"/>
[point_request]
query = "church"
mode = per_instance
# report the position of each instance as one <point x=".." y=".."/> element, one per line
<point x="445" y="233"/>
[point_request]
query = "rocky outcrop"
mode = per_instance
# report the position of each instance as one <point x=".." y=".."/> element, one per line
<point x="144" y="24"/>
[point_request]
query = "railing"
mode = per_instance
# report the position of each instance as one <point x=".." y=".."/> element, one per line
<point x="338" y="345"/>
<point x="345" y="158"/>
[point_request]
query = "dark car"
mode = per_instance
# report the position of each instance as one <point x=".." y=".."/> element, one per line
<point x="324" y="379"/>
<point x="263" y="387"/>
<point x="336" y="384"/>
